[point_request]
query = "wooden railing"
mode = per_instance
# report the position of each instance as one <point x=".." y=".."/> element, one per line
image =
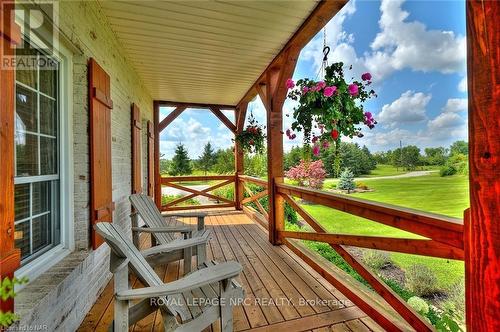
<point x="443" y="238"/>
<point x="176" y="182"/>
<point x="439" y="236"/>
<point x="260" y="214"/>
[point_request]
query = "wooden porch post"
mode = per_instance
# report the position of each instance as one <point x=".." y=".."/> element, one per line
<point x="482" y="228"/>
<point x="272" y="92"/>
<point x="157" y="182"/>
<point x="9" y="256"/>
<point x="241" y="112"/>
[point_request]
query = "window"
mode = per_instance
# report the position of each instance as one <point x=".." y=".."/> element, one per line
<point x="37" y="156"/>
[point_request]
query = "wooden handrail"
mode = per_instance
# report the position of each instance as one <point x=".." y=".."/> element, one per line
<point x="409" y="246"/>
<point x="254" y="180"/>
<point x="440" y="228"/>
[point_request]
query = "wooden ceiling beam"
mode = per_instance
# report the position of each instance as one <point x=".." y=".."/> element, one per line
<point x="218" y="113"/>
<point x="171" y="117"/>
<point x="319" y="17"/>
<point x="168" y="103"/>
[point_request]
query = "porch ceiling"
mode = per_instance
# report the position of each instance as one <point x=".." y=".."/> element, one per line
<point x="204" y="51"/>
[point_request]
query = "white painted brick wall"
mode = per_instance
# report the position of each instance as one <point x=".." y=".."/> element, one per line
<point x="68" y="300"/>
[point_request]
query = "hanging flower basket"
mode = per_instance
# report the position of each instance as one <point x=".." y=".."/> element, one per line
<point x="330" y="109"/>
<point x="252" y="138"/>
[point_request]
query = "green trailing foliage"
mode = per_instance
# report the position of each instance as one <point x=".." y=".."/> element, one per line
<point x="7" y="286"/>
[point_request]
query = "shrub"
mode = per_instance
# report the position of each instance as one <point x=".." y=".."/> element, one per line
<point x="419" y="305"/>
<point x="448" y="170"/>
<point x="346" y="180"/>
<point x="456" y="298"/>
<point x="421" y="280"/>
<point x="226" y="192"/>
<point x="169" y="198"/>
<point x="376" y="259"/>
<point x="308" y="174"/>
<point x="330" y="185"/>
<point x="362" y="185"/>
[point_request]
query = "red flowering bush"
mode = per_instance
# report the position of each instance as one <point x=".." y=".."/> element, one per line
<point x="308" y="174"/>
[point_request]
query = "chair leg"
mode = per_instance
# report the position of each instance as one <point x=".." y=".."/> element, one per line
<point x="226" y="308"/>
<point x="120" y="323"/>
<point x="201" y="254"/>
<point x="188" y="258"/>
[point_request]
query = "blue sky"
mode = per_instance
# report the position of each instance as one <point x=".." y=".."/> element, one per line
<point x="416" y="53"/>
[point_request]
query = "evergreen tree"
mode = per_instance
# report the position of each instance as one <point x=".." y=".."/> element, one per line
<point x="181" y="164"/>
<point x="207" y="159"/>
<point x="346" y="180"/>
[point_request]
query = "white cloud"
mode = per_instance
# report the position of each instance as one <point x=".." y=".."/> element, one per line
<point x="401" y="44"/>
<point x="462" y="86"/>
<point x="455" y="105"/>
<point x="194" y="136"/>
<point x="444" y="121"/>
<point x="408" y="108"/>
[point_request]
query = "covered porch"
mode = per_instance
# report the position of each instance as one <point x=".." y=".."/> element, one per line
<point x="206" y="66"/>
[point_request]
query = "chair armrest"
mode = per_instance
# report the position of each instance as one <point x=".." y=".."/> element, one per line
<point x="166" y="229"/>
<point x="173" y="246"/>
<point x="192" y="281"/>
<point x="199" y="215"/>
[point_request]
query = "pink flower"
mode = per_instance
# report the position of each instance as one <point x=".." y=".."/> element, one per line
<point x="320" y="85"/>
<point x="315" y="139"/>
<point x="305" y="90"/>
<point x="353" y="89"/>
<point x="290" y="84"/>
<point x="316" y="150"/>
<point x="329" y="91"/>
<point x="288" y="133"/>
<point x="366" y="76"/>
<point x="368" y="115"/>
<point x="326" y="144"/>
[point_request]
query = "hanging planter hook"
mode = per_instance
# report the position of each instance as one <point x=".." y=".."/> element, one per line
<point x="326" y="51"/>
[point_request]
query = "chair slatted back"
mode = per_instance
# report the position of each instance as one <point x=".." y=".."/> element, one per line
<point x="148" y="211"/>
<point x="123" y="247"/>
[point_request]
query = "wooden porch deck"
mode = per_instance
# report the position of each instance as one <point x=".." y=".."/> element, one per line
<point x="282" y="292"/>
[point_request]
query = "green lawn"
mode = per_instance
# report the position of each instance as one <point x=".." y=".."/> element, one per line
<point x="386" y="170"/>
<point x="444" y="195"/>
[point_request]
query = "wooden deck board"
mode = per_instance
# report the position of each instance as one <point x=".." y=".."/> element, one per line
<point x="280" y="288"/>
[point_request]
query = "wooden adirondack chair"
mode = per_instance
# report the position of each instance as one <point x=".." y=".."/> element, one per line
<point x="166" y="230"/>
<point x="188" y="304"/>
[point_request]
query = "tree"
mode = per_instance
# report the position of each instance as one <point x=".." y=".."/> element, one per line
<point x="256" y="165"/>
<point x="207" y="159"/>
<point x="165" y="166"/>
<point x="181" y="164"/>
<point x="224" y="163"/>
<point x="459" y="147"/>
<point x="408" y="157"/>
<point x="293" y="157"/>
<point x="346" y="180"/>
<point x="435" y="156"/>
<point x="358" y="160"/>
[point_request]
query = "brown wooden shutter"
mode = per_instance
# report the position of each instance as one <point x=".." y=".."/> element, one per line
<point x="151" y="159"/>
<point x="100" y="105"/>
<point x="136" y="150"/>
<point x="10" y="257"/>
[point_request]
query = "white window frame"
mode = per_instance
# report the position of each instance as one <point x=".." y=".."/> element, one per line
<point x="45" y="261"/>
